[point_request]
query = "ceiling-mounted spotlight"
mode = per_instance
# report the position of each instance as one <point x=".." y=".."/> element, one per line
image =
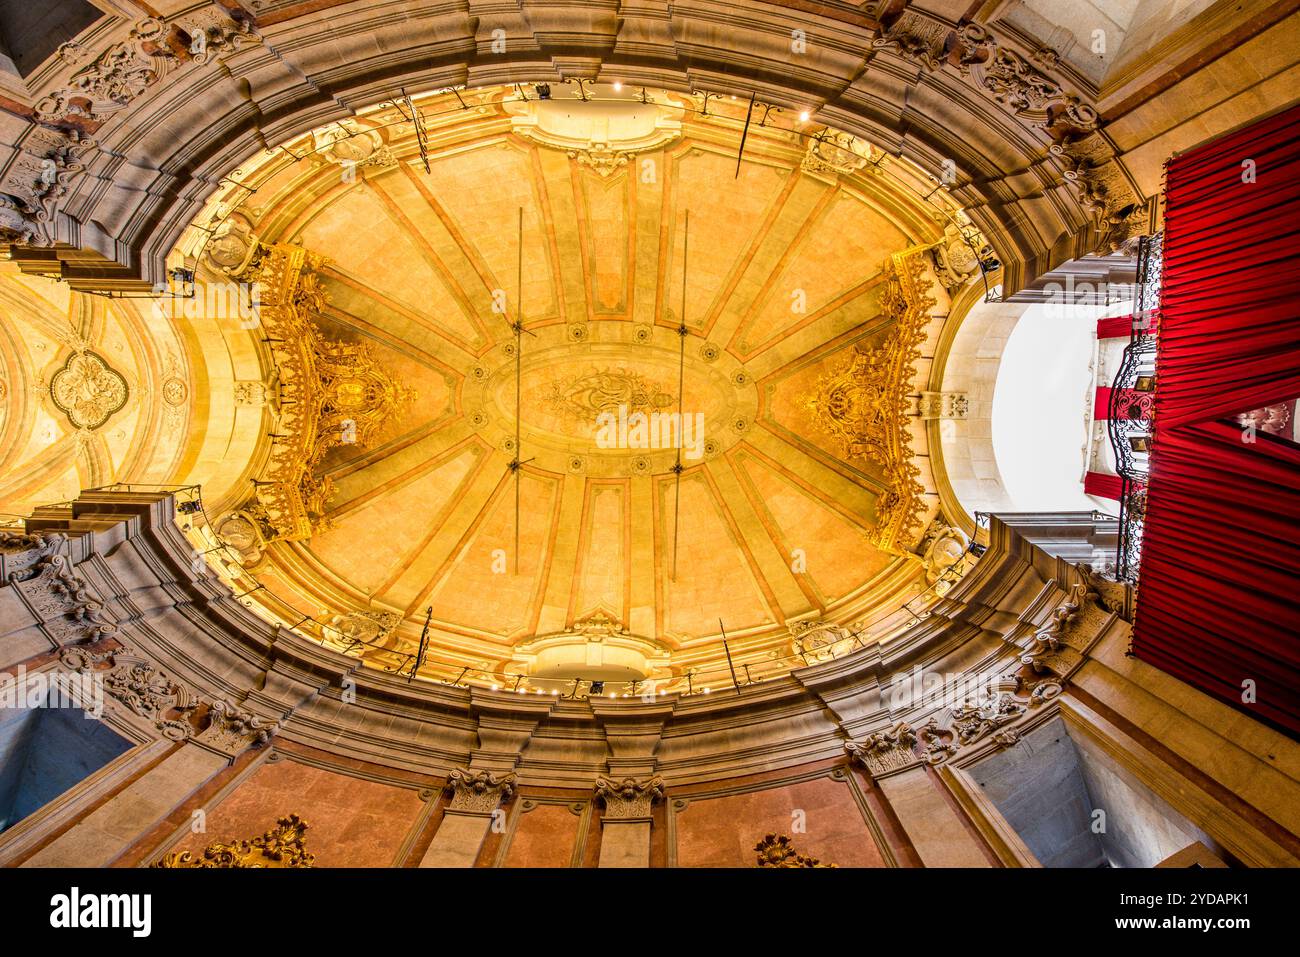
<point x="543" y="90"/>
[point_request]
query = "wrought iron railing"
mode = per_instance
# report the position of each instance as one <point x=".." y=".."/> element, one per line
<point x="1131" y="421"/>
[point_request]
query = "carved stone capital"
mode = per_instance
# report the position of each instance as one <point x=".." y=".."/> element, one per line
<point x="479" y="792"/>
<point x="886" y="752"/>
<point x="629" y="797"/>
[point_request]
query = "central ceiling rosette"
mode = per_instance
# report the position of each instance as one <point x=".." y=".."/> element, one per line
<point x="812" y="261"/>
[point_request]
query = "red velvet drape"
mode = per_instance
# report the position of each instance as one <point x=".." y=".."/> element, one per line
<point x="1103" y="485"/>
<point x="1115" y="327"/>
<point x="1218" y="600"/>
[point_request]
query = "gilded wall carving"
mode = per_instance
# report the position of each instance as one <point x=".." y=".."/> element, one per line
<point x="284" y="845"/>
<point x="779" y="851"/>
<point x="337" y="394"/>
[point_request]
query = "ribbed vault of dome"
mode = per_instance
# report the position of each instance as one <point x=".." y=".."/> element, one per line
<point x="776" y="518"/>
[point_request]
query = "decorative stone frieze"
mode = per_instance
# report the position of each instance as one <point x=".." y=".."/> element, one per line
<point x="630" y="797"/>
<point x="62" y="601"/>
<point x="886" y="752"/>
<point x="479" y="792"/>
<point x="1059" y="645"/>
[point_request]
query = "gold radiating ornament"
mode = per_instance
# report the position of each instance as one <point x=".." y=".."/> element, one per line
<point x="863" y="403"/>
<point x="338" y="394"/>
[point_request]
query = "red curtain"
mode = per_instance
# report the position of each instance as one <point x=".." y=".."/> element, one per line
<point x="1218" y="602"/>
<point x="1229" y="311"/>
<point x="1115" y="327"/>
<point x="1103" y="485"/>
<point x="1101" y="406"/>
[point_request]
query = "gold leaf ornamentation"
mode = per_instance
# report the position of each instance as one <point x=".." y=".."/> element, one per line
<point x="863" y="404"/>
<point x="778" y="851"/>
<point x="284" y="845"/>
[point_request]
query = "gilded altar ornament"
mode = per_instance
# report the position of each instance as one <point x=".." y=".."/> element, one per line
<point x="863" y="404"/>
<point x="284" y="845"/>
<point x="778" y="851"/>
<point x="337" y="394"/>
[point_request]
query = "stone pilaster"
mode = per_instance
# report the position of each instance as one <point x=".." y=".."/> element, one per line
<point x="475" y="797"/>
<point x="625" y="826"/>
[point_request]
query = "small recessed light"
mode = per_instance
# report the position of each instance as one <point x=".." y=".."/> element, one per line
<point x="803" y="117"/>
<point x="618" y="87"/>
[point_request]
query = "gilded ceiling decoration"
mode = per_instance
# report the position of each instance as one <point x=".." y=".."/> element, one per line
<point x="864" y="402"/>
<point x="333" y="394"/>
<point x="806" y="270"/>
<point x="87" y="390"/>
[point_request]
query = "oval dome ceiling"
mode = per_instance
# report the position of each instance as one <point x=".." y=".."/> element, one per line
<point x="509" y="534"/>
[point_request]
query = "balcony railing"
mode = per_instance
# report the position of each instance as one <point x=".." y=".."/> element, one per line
<point x="1131" y="422"/>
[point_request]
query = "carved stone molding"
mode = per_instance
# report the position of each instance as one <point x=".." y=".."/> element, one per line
<point x="886" y="752"/>
<point x="137" y="683"/>
<point x="479" y="792"/>
<point x="168" y="704"/>
<point x="630" y="797"/>
<point x="106" y="82"/>
<point x="978" y="719"/>
<point x="284" y="845"/>
<point x="36" y="180"/>
<point x="1021" y="85"/>
<point x="24" y="552"/>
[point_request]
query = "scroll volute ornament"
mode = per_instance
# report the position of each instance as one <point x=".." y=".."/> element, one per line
<point x="284" y="845"/>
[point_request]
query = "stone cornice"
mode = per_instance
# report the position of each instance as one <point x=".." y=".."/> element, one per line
<point x="296" y="69"/>
<point x="214" y="649"/>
